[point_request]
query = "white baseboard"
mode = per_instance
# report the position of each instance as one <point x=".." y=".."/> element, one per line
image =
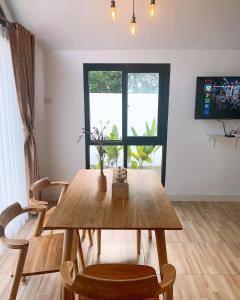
<point x="208" y="198"/>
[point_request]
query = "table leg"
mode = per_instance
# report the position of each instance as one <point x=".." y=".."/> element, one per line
<point x="80" y="251"/>
<point x="99" y="241"/>
<point x="162" y="255"/>
<point x="138" y="241"/>
<point x="67" y="249"/>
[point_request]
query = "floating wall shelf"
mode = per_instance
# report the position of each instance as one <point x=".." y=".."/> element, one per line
<point x="214" y="137"/>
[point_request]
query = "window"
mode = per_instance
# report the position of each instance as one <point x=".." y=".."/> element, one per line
<point x="133" y="100"/>
<point x="12" y="166"/>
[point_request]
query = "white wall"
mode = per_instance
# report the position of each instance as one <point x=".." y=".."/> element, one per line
<point x="194" y="167"/>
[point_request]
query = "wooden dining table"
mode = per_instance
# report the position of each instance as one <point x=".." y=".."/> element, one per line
<point x="147" y="208"/>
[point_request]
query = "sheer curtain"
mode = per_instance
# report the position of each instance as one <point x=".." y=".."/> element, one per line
<point x="12" y="166"/>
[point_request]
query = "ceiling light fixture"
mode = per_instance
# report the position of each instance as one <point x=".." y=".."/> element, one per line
<point x="113" y="9"/>
<point x="133" y="22"/>
<point x="152" y="8"/>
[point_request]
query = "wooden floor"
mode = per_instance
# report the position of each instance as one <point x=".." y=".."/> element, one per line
<point x="206" y="255"/>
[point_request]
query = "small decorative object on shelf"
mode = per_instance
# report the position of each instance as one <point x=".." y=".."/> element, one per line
<point x="215" y="137"/>
<point x="99" y="137"/>
<point x="232" y="134"/>
<point x="236" y="131"/>
<point x="119" y="183"/>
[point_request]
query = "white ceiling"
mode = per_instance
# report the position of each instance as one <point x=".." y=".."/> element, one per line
<point x="86" y="24"/>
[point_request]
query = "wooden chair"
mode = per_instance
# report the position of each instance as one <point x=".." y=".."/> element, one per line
<point x="39" y="255"/>
<point x="45" y="183"/>
<point x="117" y="281"/>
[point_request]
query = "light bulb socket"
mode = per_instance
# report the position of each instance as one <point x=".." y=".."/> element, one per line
<point x="133" y="20"/>
<point x="113" y="4"/>
<point x="153" y="2"/>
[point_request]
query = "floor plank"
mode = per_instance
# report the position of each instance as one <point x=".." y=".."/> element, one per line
<point x="206" y="255"/>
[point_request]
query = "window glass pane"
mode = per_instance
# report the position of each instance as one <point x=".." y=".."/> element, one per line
<point x="105" y="96"/>
<point x="113" y="158"/>
<point x="143" y="104"/>
<point x="145" y="157"/>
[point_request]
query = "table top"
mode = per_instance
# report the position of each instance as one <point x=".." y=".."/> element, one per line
<point x="84" y="207"/>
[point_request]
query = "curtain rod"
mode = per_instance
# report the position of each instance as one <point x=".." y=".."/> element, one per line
<point x="5" y="23"/>
<point x="3" y="19"/>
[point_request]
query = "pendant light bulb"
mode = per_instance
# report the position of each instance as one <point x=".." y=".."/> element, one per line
<point x="152" y="8"/>
<point x="133" y="25"/>
<point x="133" y="21"/>
<point x="113" y="9"/>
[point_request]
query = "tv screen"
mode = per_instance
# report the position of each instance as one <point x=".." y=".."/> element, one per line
<point x="217" y="98"/>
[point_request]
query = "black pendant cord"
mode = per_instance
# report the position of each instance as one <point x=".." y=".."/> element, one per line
<point x="133" y="8"/>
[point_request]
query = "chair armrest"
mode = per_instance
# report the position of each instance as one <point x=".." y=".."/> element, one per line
<point x="61" y="183"/>
<point x="34" y="203"/>
<point x="14" y="243"/>
<point x="64" y="186"/>
<point x="41" y="211"/>
<point x="168" y="277"/>
<point x="36" y="209"/>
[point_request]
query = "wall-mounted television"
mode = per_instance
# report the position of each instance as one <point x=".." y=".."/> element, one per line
<point x="217" y="98"/>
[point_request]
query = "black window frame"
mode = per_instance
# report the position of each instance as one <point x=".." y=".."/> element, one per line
<point x="163" y="93"/>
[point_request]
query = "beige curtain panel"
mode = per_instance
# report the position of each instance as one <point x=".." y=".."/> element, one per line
<point x="23" y="55"/>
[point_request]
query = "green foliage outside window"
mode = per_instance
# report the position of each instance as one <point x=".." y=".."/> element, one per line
<point x="137" y="157"/>
<point x="111" y="82"/>
<point x="113" y="152"/>
<point x="105" y="82"/>
<point x="143" y="83"/>
<point x="143" y="154"/>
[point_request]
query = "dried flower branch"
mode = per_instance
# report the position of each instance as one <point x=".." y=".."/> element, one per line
<point x="98" y="136"/>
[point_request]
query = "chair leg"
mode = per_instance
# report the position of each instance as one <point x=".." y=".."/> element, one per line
<point x="18" y="273"/>
<point x="138" y="241"/>
<point x="99" y="241"/>
<point x="76" y="266"/>
<point x="84" y="233"/>
<point x="168" y="295"/>
<point x="90" y="237"/>
<point x="80" y="251"/>
<point x="150" y="234"/>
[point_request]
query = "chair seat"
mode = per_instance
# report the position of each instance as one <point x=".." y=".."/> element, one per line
<point x="45" y="254"/>
<point x="119" y="271"/>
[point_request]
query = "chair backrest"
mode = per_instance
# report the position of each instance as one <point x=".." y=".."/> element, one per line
<point x="14" y="210"/>
<point x="8" y="215"/>
<point x="44" y="183"/>
<point x="105" y="289"/>
<point x="38" y="186"/>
